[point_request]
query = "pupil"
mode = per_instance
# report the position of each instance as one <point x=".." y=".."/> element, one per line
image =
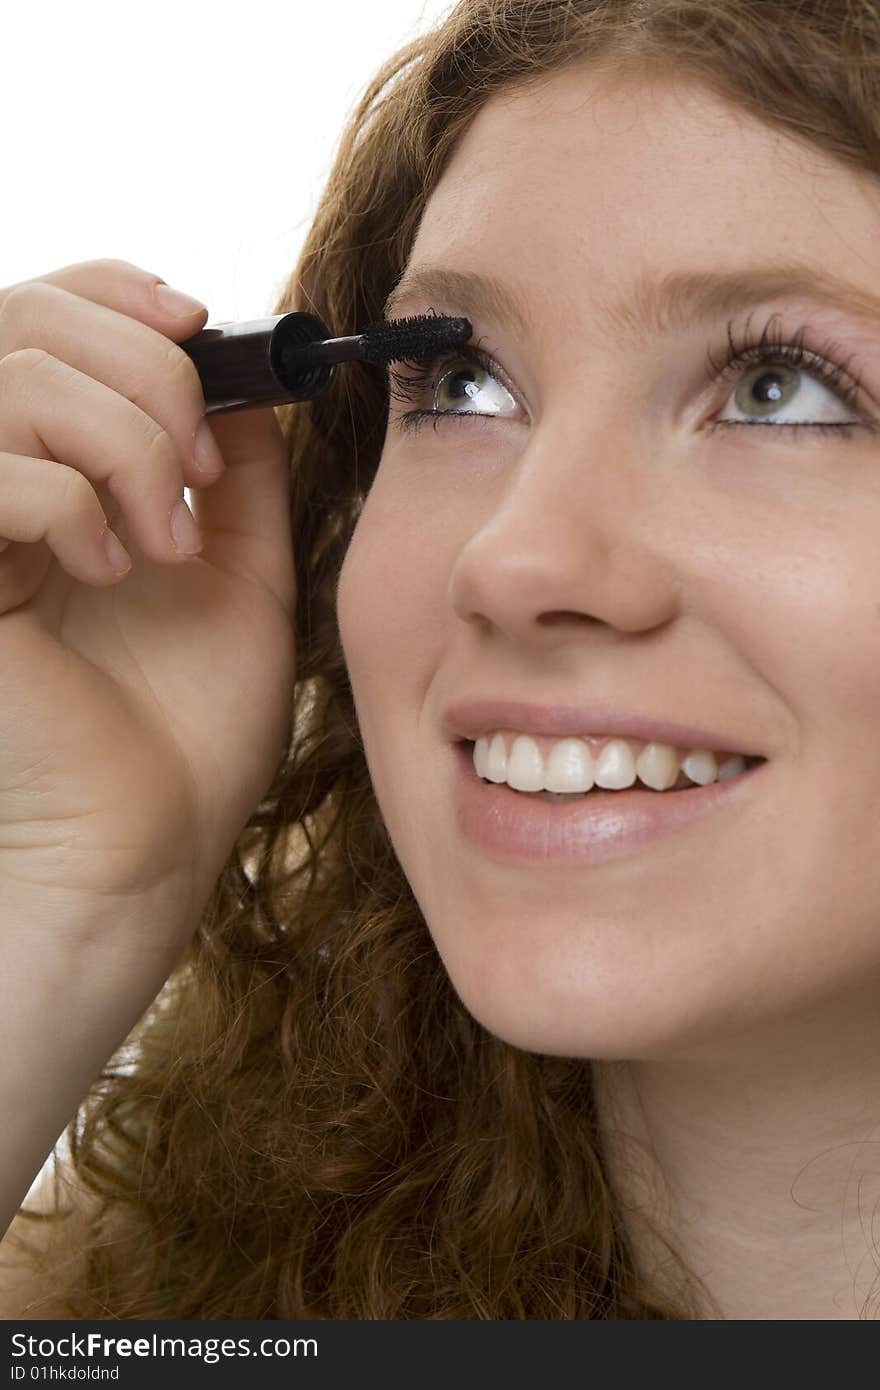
<point x="774" y="390"/>
<point x="765" y="391"/>
<point x="468" y="388"/>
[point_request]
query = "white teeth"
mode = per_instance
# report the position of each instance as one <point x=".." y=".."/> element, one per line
<point x="615" y="765"/>
<point x="700" y="767"/>
<point x="658" y="767"/>
<point x="495" y="759"/>
<point x="732" y="768"/>
<point x="570" y="767"/>
<point x="525" y="766"/>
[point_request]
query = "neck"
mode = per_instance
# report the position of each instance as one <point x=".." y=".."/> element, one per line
<point x="757" y="1160"/>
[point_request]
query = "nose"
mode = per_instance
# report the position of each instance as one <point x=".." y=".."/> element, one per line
<point x="577" y="537"/>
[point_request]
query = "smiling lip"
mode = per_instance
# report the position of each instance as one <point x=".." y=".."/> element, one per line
<point x="514" y="827"/>
<point x="469" y="719"/>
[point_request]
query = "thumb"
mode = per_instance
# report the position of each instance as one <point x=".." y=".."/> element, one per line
<point x="245" y="514"/>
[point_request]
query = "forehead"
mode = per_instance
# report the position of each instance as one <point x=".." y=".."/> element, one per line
<point x="579" y="186"/>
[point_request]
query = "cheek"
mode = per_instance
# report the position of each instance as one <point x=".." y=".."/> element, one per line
<point x="384" y="606"/>
<point x="394" y="624"/>
<point x="368" y="580"/>
<point x="352" y="610"/>
<point x="819" y="640"/>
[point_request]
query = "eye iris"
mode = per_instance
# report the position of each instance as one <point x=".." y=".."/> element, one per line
<point x="473" y="385"/>
<point x="765" y="387"/>
<point x="468" y="388"/>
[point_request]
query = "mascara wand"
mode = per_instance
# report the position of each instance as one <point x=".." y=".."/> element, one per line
<point x="292" y="357"/>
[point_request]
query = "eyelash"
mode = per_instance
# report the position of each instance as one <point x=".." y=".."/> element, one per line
<point x="742" y="352"/>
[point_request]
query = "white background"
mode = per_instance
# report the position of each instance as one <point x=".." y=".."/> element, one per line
<point x="191" y="138"/>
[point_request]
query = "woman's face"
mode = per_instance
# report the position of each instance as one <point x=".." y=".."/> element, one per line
<point x="597" y="537"/>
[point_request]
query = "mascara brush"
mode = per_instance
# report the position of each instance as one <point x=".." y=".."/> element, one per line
<point x="292" y="357"/>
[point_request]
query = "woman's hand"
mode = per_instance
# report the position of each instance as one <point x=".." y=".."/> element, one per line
<point x="143" y="717"/>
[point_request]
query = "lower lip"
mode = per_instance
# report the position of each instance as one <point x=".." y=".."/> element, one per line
<point x="514" y="827"/>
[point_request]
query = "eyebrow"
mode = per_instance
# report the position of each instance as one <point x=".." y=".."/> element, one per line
<point x="654" y="305"/>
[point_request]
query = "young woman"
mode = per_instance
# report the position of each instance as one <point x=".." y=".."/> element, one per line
<point x="356" y="1023"/>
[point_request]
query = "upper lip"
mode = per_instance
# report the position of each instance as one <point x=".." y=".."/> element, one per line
<point x="469" y="719"/>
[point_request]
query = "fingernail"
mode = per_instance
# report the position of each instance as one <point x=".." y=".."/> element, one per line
<point x="206" y="452"/>
<point x="179" y="306"/>
<point x="118" y="557"/>
<point x="185" y="533"/>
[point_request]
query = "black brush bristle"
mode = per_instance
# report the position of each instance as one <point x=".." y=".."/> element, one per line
<point x="413" y="339"/>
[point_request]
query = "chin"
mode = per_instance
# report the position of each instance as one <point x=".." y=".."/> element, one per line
<point x="532" y="1024"/>
<point x="584" y="1025"/>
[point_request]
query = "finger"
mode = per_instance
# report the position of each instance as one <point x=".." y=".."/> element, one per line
<point x="50" y="410"/>
<point x="245" y="515"/>
<point x="126" y="288"/>
<point x="42" y="500"/>
<point x="132" y="357"/>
